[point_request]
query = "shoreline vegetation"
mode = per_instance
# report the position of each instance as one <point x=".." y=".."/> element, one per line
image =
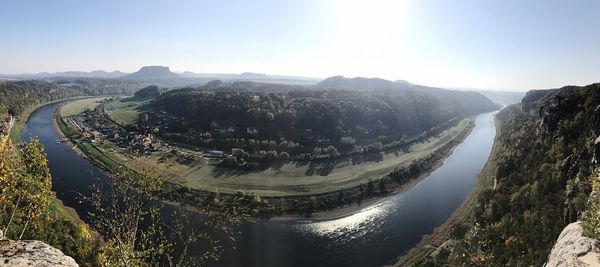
<point x="15" y="132"/>
<point x="15" y="137"/>
<point x="430" y="244"/>
<point x="327" y="205"/>
<point x="74" y="237"/>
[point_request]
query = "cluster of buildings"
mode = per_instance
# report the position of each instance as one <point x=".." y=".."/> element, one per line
<point x="94" y="126"/>
<point x="140" y="143"/>
<point x="5" y="125"/>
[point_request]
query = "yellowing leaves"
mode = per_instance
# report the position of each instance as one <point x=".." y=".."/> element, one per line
<point x="25" y="185"/>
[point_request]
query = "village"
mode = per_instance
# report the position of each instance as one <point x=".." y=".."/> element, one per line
<point x="95" y="126"/>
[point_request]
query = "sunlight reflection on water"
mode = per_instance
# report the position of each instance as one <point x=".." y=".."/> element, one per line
<point x="352" y="227"/>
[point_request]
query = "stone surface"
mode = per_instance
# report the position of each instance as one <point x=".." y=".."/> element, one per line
<point x="573" y="249"/>
<point x="32" y="253"/>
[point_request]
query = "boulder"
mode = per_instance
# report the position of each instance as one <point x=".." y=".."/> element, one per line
<point x="32" y="253"/>
<point x="573" y="249"/>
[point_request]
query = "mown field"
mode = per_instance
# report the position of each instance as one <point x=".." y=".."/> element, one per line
<point x="125" y="116"/>
<point x="79" y="106"/>
<point x="125" y="111"/>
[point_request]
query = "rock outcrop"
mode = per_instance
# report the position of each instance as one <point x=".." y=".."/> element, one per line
<point x="32" y="253"/>
<point x="574" y="249"/>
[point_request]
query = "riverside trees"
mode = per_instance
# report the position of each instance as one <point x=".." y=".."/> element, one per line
<point x="25" y="187"/>
<point x="28" y="208"/>
<point x="140" y="231"/>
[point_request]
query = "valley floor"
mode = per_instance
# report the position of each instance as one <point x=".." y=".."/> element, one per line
<point x="286" y="179"/>
<point x="303" y="178"/>
<point x="290" y="187"/>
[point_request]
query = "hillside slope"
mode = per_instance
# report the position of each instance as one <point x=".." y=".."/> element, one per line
<point x="544" y="170"/>
<point x="325" y="113"/>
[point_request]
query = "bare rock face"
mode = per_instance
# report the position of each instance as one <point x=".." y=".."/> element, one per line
<point x="32" y="253"/>
<point x="574" y="249"/>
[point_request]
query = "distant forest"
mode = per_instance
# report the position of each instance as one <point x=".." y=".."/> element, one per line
<point x="17" y="96"/>
<point x="310" y="116"/>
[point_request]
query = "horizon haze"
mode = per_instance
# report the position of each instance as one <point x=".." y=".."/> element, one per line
<point x="507" y="45"/>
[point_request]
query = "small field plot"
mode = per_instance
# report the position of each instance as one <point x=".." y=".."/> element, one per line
<point x="125" y="116"/>
<point x="125" y="103"/>
<point x="125" y="111"/>
<point x="79" y="106"/>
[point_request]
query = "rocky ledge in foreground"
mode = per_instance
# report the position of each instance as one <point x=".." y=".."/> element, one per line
<point x="32" y="253"/>
<point x="574" y="249"/>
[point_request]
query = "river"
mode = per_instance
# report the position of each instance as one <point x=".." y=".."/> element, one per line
<point x="375" y="235"/>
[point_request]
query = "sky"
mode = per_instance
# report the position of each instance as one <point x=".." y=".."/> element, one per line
<point x="503" y="44"/>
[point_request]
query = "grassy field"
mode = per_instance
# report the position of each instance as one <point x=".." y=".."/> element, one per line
<point x="125" y="116"/>
<point x="68" y="132"/>
<point x="79" y="106"/>
<point x="125" y="111"/>
<point x="99" y="156"/>
<point x="289" y="179"/>
<point x="125" y="103"/>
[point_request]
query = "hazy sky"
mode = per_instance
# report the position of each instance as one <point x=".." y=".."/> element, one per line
<point x="503" y="44"/>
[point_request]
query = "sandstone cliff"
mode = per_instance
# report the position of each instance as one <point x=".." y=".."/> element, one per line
<point x="574" y="249"/>
<point x="32" y="253"/>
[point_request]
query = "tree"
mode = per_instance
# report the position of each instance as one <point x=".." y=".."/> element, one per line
<point x="120" y="207"/>
<point x="238" y="153"/>
<point x="332" y="152"/>
<point x="25" y="185"/>
<point x="139" y="231"/>
<point x="219" y="220"/>
<point x="284" y="155"/>
<point x="347" y="143"/>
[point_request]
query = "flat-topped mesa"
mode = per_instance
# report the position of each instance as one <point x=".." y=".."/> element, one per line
<point x="153" y="72"/>
<point x="32" y="253"/>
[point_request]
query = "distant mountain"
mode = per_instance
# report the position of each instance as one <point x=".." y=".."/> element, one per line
<point x="225" y="76"/>
<point x="189" y="74"/>
<point x="91" y="74"/>
<point x="358" y="84"/>
<point x="504" y="98"/>
<point x="251" y="76"/>
<point x="470" y="101"/>
<point x="153" y="73"/>
<point x="370" y="84"/>
<point x="69" y="74"/>
<point x="163" y="76"/>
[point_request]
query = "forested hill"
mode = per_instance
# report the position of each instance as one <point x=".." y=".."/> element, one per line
<point x="544" y="163"/>
<point x="19" y="95"/>
<point x="16" y="96"/>
<point x="470" y="101"/>
<point x="324" y="113"/>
